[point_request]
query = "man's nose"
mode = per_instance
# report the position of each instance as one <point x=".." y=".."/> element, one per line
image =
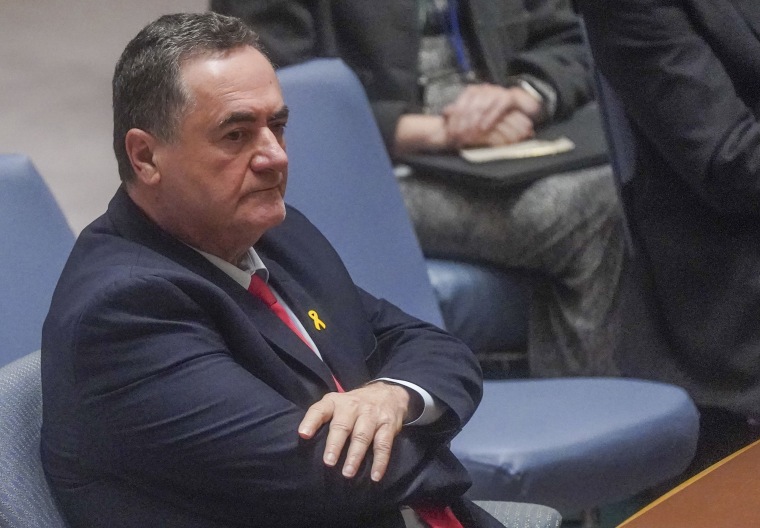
<point x="270" y="152"/>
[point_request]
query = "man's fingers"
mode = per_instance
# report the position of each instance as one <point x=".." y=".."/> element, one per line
<point x="361" y="438"/>
<point x="316" y="416"/>
<point x="478" y="108"/>
<point x="495" y="110"/>
<point x="370" y="416"/>
<point x="340" y="430"/>
<point x="516" y="127"/>
<point x="382" y="451"/>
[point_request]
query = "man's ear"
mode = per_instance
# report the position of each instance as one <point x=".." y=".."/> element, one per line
<point x="141" y="149"/>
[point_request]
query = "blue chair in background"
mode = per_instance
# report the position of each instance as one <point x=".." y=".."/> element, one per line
<point x="485" y="307"/>
<point x="36" y="242"/>
<point x="572" y="444"/>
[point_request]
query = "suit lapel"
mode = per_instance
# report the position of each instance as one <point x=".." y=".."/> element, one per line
<point x="281" y="337"/>
<point x="337" y="358"/>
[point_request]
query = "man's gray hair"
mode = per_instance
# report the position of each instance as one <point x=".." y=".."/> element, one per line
<point x="148" y="92"/>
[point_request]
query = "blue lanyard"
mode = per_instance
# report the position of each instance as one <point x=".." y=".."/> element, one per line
<point x="457" y="42"/>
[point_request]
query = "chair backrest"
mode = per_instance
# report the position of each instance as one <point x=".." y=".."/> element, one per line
<point x="36" y="240"/>
<point x="341" y="177"/>
<point x="25" y="498"/>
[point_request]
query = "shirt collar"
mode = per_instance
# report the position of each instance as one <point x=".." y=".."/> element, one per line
<point x="250" y="264"/>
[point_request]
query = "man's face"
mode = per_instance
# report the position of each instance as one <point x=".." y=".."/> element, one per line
<point x="222" y="181"/>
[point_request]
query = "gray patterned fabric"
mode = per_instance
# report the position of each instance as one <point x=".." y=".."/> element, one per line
<point x="521" y="515"/>
<point x="25" y="499"/>
<point x="568" y="227"/>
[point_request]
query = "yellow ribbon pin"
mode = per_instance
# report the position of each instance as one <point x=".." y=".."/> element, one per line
<point x="318" y="324"/>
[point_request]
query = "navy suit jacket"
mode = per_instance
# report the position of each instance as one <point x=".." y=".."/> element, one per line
<point x="172" y="396"/>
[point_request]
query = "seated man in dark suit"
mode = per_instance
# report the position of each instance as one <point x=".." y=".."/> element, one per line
<point x="207" y="361"/>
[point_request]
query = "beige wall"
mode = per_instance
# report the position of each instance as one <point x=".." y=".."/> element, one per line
<point x="56" y="62"/>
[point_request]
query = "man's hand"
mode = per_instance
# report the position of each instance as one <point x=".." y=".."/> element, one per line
<point x="513" y="128"/>
<point x="486" y="114"/>
<point x="370" y="415"/>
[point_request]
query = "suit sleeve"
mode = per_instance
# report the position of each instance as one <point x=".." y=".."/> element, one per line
<point x="554" y="52"/>
<point x="164" y="406"/>
<point x="425" y="355"/>
<point x="681" y="97"/>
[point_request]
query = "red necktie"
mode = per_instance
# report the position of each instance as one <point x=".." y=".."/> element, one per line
<point x="438" y="516"/>
<point x="260" y="289"/>
<point x="435" y="516"/>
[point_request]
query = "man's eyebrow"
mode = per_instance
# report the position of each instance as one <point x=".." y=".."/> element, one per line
<point x="280" y="114"/>
<point x="237" y="117"/>
<point x="250" y="117"/>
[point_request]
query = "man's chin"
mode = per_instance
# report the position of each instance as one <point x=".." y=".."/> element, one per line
<point x="270" y="213"/>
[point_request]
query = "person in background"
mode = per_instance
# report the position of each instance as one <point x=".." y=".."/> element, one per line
<point x="442" y="75"/>
<point x="207" y="361"/>
<point x="687" y="75"/>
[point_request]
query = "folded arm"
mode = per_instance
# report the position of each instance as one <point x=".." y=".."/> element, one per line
<point x="164" y="404"/>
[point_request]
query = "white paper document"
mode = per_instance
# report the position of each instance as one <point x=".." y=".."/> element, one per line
<point x="525" y="149"/>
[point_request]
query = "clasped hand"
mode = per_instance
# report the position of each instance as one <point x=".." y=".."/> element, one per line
<point x="371" y="415"/>
<point x="490" y="115"/>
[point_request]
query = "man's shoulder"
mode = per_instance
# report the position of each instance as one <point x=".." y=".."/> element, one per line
<point x="101" y="249"/>
<point x="104" y="262"/>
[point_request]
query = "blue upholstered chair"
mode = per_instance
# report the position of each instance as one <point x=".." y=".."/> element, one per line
<point x="25" y="498"/>
<point x="568" y="443"/>
<point x="36" y="241"/>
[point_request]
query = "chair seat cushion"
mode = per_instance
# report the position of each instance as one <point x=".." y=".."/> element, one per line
<point x="485" y="307"/>
<point x="576" y="443"/>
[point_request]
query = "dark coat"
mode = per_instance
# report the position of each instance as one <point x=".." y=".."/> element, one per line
<point x="380" y="42"/>
<point x="688" y="73"/>
<point x="172" y="395"/>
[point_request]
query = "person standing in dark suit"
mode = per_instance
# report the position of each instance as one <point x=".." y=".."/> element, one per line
<point x="207" y="361"/>
<point x="447" y="74"/>
<point x="687" y="74"/>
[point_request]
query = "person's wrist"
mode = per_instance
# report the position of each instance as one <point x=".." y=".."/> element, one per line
<point x="411" y="403"/>
<point x="441" y="140"/>
<point x="420" y="132"/>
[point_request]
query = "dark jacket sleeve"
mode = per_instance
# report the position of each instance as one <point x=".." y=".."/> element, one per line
<point x="682" y="87"/>
<point x="554" y="51"/>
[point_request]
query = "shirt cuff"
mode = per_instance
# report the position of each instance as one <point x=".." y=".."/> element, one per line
<point x="431" y="410"/>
